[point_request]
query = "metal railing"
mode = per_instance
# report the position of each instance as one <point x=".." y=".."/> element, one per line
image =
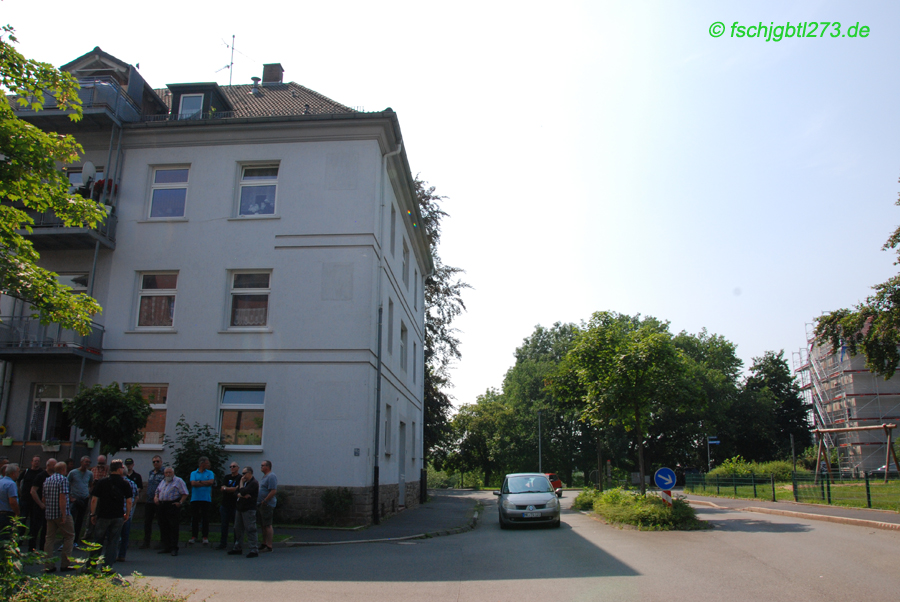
<point x="97" y="92"/>
<point x="868" y="491"/>
<point x="27" y="332"/>
<point x="189" y="117"/>
<point x="48" y="219"/>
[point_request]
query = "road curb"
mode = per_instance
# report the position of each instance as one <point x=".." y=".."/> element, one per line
<point x="471" y="524"/>
<point x="841" y="520"/>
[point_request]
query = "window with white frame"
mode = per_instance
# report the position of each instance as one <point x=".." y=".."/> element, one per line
<point x="388" y="421"/>
<point x="414" y="440"/>
<point x="415" y="357"/>
<point x="405" y="265"/>
<point x="404" y="335"/>
<point x="249" y="299"/>
<point x="191" y="106"/>
<point x="241" y="412"/>
<point x="416" y="289"/>
<point x="390" y="332"/>
<point x="156" y="300"/>
<point x="257" y="190"/>
<point x="156" y="396"/>
<point x="393" y="230"/>
<point x="168" y="192"/>
<point x="48" y="420"/>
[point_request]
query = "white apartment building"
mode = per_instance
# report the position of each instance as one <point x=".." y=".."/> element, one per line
<point x="262" y="237"/>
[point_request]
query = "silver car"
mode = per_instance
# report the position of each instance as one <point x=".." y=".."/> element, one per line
<point x="527" y="498"/>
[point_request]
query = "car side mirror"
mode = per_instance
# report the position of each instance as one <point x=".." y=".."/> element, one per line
<point x="496" y="493"/>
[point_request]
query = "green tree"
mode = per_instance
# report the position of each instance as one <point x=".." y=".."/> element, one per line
<point x="191" y="442"/>
<point x="30" y="179"/>
<point x="630" y="369"/>
<point x="443" y="304"/>
<point x="110" y="415"/>
<point x="771" y="376"/>
<point x="482" y="431"/>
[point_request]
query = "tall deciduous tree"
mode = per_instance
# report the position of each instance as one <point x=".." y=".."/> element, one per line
<point x="443" y="304"/>
<point x="30" y="179"/>
<point x="873" y="326"/>
<point x="115" y="417"/>
<point x="631" y="370"/>
<point x="771" y="377"/>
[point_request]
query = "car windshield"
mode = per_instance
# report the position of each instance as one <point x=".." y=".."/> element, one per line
<point x="528" y="485"/>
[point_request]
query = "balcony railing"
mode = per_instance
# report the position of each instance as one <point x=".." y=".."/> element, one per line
<point x="49" y="232"/>
<point x="25" y="335"/>
<point x="97" y="93"/>
<point x="189" y="117"/>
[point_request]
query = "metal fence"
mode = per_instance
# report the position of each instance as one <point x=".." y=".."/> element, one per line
<point x="868" y="491"/>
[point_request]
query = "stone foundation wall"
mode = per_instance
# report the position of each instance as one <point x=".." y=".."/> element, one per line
<point x="296" y="503"/>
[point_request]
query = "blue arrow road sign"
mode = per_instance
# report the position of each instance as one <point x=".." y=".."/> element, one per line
<point x="664" y="478"/>
<point x="714" y="442"/>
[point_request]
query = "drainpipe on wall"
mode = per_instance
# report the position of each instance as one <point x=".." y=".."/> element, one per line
<point x="4" y="400"/>
<point x="376" y="509"/>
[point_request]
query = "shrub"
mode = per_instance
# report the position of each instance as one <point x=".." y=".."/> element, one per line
<point x="585" y="500"/>
<point x="739" y="467"/>
<point x="88" y="588"/>
<point x="646" y="512"/>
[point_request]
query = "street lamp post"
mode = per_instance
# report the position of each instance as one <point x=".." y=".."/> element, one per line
<point x="540" y="465"/>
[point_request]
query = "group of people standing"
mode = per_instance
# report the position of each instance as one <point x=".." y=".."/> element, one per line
<point x="54" y="505"/>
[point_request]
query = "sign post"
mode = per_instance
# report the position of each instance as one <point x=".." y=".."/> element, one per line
<point x="711" y="440"/>
<point x="665" y="480"/>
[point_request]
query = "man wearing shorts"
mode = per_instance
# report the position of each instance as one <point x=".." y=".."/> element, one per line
<point x="267" y="488"/>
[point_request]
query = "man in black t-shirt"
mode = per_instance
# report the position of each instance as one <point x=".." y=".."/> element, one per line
<point x="229" y="499"/>
<point x="26" y="480"/>
<point x="111" y="502"/>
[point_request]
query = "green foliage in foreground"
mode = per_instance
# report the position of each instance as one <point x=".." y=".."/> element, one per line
<point x="585" y="500"/>
<point x="646" y="512"/>
<point x="739" y="467"/>
<point x="88" y="588"/>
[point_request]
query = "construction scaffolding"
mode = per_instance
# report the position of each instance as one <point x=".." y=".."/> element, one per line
<point x="840" y="392"/>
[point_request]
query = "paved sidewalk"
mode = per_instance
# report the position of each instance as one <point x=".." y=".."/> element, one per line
<point x="447" y="512"/>
<point x="879" y="519"/>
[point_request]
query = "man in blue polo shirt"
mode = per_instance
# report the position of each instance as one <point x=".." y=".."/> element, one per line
<point x="9" y="499"/>
<point x="202" y="481"/>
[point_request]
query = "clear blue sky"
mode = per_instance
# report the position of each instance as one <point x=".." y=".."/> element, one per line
<point x="597" y="155"/>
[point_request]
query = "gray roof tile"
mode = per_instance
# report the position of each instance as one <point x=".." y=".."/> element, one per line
<point x="275" y="100"/>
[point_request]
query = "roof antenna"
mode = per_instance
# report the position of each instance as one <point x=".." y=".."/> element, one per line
<point x="229" y="66"/>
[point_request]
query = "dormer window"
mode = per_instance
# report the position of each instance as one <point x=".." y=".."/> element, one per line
<point x="191" y="106"/>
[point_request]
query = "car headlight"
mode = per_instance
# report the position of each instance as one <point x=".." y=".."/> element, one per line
<point x="508" y="505"/>
<point x="551" y="503"/>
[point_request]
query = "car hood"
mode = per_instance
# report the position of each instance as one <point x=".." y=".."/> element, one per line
<point x="525" y="499"/>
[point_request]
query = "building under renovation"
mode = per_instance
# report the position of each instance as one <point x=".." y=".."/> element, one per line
<point x="841" y="392"/>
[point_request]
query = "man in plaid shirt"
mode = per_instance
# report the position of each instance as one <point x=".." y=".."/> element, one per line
<point x="56" y="513"/>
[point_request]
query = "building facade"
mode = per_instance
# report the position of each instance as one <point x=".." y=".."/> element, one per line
<point x="262" y="241"/>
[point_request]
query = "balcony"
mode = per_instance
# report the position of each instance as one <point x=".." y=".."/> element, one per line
<point x="103" y="102"/>
<point x="22" y="336"/>
<point x="50" y="234"/>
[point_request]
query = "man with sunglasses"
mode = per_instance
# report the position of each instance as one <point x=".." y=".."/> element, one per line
<point x="229" y="503"/>
<point x="245" y="516"/>
<point x="155" y="477"/>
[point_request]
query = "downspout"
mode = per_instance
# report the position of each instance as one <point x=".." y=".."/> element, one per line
<point x="376" y="518"/>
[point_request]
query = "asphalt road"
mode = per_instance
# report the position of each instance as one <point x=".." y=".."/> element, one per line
<point x="746" y="557"/>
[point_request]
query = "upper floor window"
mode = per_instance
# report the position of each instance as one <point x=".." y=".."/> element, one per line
<point x="156" y="305"/>
<point x="77" y="282"/>
<point x="403" y="345"/>
<point x="416" y="289"/>
<point x="191" y="106"/>
<point x="250" y="298"/>
<point x="390" y="332"/>
<point x="405" y="265"/>
<point x="168" y="192"/>
<point x="393" y="229"/>
<point x="258" y="185"/>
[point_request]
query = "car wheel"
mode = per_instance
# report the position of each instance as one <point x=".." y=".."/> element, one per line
<point x="557" y="524"/>
<point x="503" y="523"/>
<point x="559" y="495"/>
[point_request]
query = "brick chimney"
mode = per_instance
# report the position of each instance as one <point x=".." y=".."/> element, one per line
<point x="272" y="73"/>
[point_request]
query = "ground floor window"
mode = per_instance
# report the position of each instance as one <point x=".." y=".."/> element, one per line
<point x="48" y="420"/>
<point x="242" y="409"/>
<point x="156" y="396"/>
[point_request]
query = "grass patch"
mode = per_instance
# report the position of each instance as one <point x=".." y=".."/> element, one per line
<point x="89" y="587"/>
<point x="646" y="512"/>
